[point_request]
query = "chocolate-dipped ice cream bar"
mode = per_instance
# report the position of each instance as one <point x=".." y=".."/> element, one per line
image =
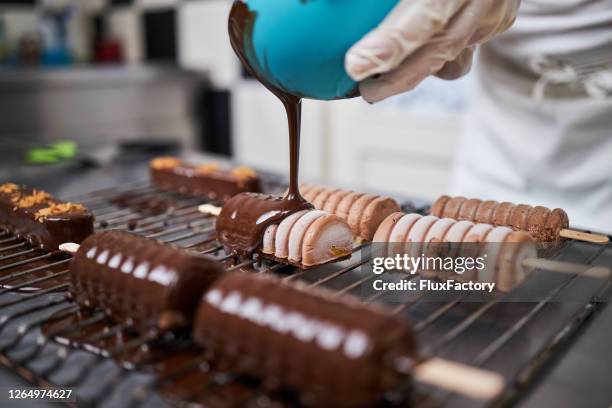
<point x="289" y="231"/>
<point x="308" y="238"/>
<point x="208" y="180"/>
<point x="336" y="350"/>
<point x="36" y="216"/>
<point x="363" y="212"/>
<point x="505" y="248"/>
<point x="288" y="334"/>
<point x="509" y="255"/>
<point x="544" y="224"/>
<point x="135" y="279"/>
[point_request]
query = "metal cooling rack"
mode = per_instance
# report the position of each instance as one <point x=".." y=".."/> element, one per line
<point x="517" y="339"/>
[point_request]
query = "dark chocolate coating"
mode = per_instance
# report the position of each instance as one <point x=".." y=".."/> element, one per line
<point x="220" y="184"/>
<point x="48" y="231"/>
<point x="337" y="349"/>
<point x="245" y="217"/>
<point x="157" y="286"/>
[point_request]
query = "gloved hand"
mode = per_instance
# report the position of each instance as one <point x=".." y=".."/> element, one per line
<point x="425" y="37"/>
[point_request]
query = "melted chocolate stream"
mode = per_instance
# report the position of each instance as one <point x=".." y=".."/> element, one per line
<point x="244" y="218"/>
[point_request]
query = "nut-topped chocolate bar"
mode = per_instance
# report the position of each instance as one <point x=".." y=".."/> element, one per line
<point x="36" y="216"/>
<point x="208" y="180"/>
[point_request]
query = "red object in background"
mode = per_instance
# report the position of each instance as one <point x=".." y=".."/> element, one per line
<point x="109" y="50"/>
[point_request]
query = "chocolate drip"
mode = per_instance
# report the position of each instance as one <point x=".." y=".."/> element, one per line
<point x="40" y="219"/>
<point x="338" y="349"/>
<point x="244" y="218"/>
<point x="293" y="107"/>
<point x="138" y="279"/>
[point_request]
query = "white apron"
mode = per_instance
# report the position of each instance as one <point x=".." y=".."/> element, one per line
<point x="539" y="128"/>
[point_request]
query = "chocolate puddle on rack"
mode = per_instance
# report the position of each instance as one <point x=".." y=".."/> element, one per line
<point x="28" y="269"/>
<point x="71" y="330"/>
<point x="183" y="372"/>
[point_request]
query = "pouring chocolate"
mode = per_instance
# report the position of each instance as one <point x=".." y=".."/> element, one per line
<point x="244" y="218"/>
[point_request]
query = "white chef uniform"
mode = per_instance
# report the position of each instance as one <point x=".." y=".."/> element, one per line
<point x="539" y="129"/>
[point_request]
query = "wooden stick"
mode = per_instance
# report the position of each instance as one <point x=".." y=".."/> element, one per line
<point x="459" y="378"/>
<point x="601" y="272"/>
<point x="584" y="236"/>
<point x="209" y="209"/>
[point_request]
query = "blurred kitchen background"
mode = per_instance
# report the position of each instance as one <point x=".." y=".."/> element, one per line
<point x="158" y="74"/>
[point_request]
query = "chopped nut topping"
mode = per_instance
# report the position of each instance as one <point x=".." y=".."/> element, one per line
<point x="244" y="172"/>
<point x="9" y="188"/>
<point x="162" y="163"/>
<point x="208" y="168"/>
<point x="58" y="209"/>
<point x="37" y="197"/>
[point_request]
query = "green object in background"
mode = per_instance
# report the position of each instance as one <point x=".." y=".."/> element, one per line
<point x="65" y="149"/>
<point x="54" y="153"/>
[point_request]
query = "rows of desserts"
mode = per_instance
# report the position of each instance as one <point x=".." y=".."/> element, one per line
<point x="323" y="234"/>
<point x="333" y="347"/>
<point x="544" y="224"/>
<point x="503" y="249"/>
<point x="363" y="212"/>
<point x="306" y="238"/>
<point x="335" y="350"/>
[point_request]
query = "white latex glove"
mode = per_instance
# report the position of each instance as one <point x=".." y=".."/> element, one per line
<point x="425" y="37"/>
